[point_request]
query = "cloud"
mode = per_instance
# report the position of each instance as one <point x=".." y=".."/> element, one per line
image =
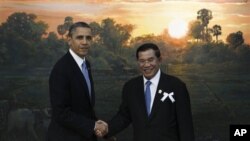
<point x="133" y="1"/>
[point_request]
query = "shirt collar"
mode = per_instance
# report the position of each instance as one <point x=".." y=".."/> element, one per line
<point x="78" y="59"/>
<point x="155" y="79"/>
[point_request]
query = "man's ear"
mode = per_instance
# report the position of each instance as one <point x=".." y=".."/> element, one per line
<point x="160" y="59"/>
<point x="69" y="40"/>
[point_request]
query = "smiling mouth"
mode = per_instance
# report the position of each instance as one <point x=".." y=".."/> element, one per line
<point x="84" y="48"/>
<point x="147" y="70"/>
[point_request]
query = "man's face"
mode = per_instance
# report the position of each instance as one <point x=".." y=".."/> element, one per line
<point x="148" y="63"/>
<point x="80" y="41"/>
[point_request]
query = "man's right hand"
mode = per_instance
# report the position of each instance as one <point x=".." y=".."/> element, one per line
<point x="101" y="128"/>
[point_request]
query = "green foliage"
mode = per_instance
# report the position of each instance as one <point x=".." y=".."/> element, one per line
<point x="3" y="53"/>
<point x="204" y="15"/>
<point x="49" y="50"/>
<point x="235" y="39"/>
<point x="216" y="53"/>
<point x="63" y="28"/>
<point x="101" y="58"/>
<point x="96" y="28"/>
<point x="113" y="36"/>
<point x="24" y="43"/>
<point x="195" y="29"/>
<point x="199" y="29"/>
<point x="24" y="25"/>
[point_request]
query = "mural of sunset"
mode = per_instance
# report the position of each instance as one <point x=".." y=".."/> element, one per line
<point x="148" y="16"/>
<point x="205" y="43"/>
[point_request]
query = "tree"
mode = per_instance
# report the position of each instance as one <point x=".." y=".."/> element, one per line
<point x="114" y="36"/>
<point x="96" y="30"/>
<point x="235" y="39"/>
<point x="204" y="15"/>
<point x="52" y="37"/>
<point x="61" y="30"/>
<point x="19" y="35"/>
<point x="195" y="29"/>
<point x="24" y="25"/>
<point x="216" y="31"/>
<point x="109" y="33"/>
<point x="3" y="53"/>
<point x="68" y="21"/>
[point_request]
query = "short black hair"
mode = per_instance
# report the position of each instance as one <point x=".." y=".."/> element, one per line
<point x="148" y="46"/>
<point x="73" y="27"/>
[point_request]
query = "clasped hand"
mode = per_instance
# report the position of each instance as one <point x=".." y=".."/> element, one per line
<point x="101" y="128"/>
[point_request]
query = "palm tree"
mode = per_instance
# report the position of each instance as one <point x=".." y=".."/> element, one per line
<point x="204" y="15"/>
<point x="216" y="31"/>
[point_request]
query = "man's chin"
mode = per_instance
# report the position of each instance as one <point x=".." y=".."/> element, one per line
<point x="83" y="54"/>
<point x="148" y="76"/>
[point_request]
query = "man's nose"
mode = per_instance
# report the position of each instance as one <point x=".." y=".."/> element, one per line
<point x="84" y="41"/>
<point x="147" y="64"/>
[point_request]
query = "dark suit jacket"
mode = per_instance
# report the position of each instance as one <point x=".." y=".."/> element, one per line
<point x="73" y="115"/>
<point x="167" y="122"/>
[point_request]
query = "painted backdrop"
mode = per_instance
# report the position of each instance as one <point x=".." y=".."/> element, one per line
<point x="206" y="43"/>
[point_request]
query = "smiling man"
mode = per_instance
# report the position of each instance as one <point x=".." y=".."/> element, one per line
<point x="156" y="104"/>
<point x="72" y="93"/>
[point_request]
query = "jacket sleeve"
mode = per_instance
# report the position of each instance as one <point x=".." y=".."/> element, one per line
<point x="122" y="118"/>
<point x="184" y="114"/>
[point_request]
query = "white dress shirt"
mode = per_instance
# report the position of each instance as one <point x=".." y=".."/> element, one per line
<point x="153" y="86"/>
<point x="78" y="59"/>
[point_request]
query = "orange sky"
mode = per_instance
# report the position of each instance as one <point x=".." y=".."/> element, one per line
<point x="149" y="16"/>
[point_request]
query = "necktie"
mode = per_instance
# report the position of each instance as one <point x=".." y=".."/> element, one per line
<point x="86" y="76"/>
<point x="148" y="96"/>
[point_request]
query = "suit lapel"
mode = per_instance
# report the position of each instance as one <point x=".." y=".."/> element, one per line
<point x="141" y="98"/>
<point x="79" y="75"/>
<point x="162" y="85"/>
<point x="92" y="83"/>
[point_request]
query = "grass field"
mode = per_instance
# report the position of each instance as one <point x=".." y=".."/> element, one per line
<point x="220" y="96"/>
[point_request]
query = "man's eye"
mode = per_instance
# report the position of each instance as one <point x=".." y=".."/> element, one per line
<point x="150" y="60"/>
<point x="79" y="37"/>
<point x="141" y="61"/>
<point x="89" y="38"/>
<point x="82" y="37"/>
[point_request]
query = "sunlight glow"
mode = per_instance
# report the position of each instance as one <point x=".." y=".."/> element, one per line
<point x="177" y="28"/>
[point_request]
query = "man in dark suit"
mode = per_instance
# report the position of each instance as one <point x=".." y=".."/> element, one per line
<point x="156" y="104"/>
<point x="72" y="92"/>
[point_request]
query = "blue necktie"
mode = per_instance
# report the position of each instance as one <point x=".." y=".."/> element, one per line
<point x="148" y="96"/>
<point x="86" y="76"/>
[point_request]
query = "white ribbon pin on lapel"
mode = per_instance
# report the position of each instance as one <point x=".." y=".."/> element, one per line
<point x="166" y="95"/>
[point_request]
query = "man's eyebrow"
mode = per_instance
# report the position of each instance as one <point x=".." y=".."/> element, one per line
<point x="82" y="36"/>
<point x="147" y="58"/>
<point x="79" y="36"/>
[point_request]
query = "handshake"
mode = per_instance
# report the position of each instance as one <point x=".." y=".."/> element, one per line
<point x="101" y="129"/>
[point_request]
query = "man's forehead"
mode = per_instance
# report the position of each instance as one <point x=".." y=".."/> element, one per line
<point x="82" y="31"/>
<point x="146" y="54"/>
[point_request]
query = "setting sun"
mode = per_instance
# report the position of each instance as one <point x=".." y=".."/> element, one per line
<point x="177" y="28"/>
